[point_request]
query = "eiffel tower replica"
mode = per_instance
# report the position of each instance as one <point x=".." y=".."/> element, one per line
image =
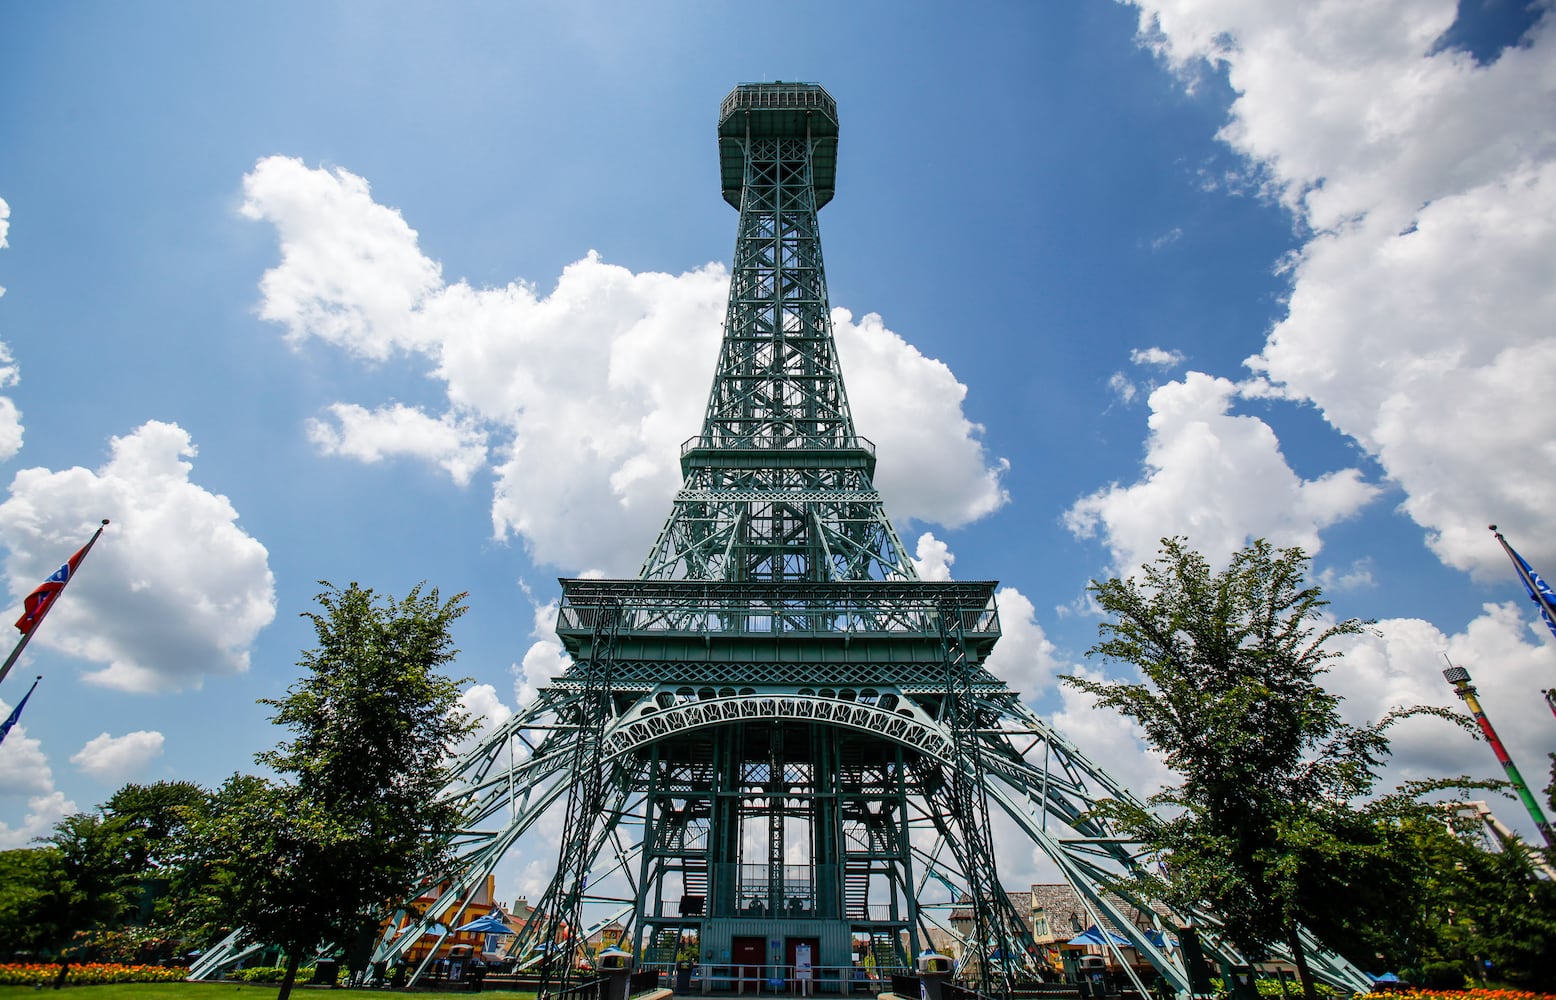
<point x="777" y="736"/>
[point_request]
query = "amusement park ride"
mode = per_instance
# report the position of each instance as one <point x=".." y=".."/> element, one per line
<point x="777" y="735"/>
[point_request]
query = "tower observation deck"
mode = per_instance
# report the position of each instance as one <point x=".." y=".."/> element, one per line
<point x="776" y="740"/>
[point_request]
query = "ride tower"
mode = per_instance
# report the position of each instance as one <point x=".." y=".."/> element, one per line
<point x="777" y="739"/>
<point x="777" y="668"/>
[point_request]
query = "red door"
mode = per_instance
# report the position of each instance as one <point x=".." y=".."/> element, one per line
<point x="750" y="954"/>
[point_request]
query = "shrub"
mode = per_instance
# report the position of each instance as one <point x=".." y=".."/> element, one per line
<point x="269" y="974"/>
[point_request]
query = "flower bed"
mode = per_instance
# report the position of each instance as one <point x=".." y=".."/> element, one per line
<point x="87" y="974"/>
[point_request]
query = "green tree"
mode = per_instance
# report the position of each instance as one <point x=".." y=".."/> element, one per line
<point x="83" y="880"/>
<point x="158" y="817"/>
<point x="1262" y="829"/>
<point x="27" y="879"/>
<point x="160" y="813"/>
<point x="356" y="821"/>
<point x="1481" y="915"/>
<point x="95" y="873"/>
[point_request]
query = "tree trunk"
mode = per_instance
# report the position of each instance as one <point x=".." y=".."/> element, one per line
<point x="293" y="959"/>
<point x="1309" y="988"/>
<point x="64" y="970"/>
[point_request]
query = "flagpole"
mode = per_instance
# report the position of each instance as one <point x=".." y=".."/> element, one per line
<point x="10" y="661"/>
<point x="1535" y="592"/>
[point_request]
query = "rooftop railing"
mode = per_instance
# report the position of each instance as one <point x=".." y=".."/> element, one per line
<point x="784" y="96"/>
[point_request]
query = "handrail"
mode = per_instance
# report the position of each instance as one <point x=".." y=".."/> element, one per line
<point x="777" y="442"/>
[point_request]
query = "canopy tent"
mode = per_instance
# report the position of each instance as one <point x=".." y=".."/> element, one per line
<point x="491" y="923"/>
<point x="1093" y="937"/>
<point x="428" y="930"/>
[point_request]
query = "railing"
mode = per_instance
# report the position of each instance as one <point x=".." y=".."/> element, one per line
<point x="777" y="95"/>
<point x="783" y="979"/>
<point x="592" y="990"/>
<point x="777" y="442"/>
<point x="755" y="608"/>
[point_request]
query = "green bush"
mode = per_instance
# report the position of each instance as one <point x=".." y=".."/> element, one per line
<point x="1270" y="987"/>
<point x="269" y="974"/>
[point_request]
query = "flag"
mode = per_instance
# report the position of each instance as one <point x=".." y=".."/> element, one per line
<point x="1539" y="591"/>
<point x="16" y="713"/>
<point x="37" y="603"/>
<point x="40" y="600"/>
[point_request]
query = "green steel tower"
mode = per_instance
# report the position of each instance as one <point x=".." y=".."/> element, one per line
<point x="777" y="740"/>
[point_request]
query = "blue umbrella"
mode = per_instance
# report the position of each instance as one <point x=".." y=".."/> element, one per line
<point x="1093" y="937"/>
<point x="434" y="928"/>
<point x="490" y="924"/>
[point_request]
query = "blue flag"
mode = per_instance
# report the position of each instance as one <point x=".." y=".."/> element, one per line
<point x="16" y="713"/>
<point x="1539" y="591"/>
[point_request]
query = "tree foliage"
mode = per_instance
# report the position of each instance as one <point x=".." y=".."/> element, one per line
<point x="1476" y="915"/>
<point x="27" y="878"/>
<point x="83" y="879"/>
<point x="1262" y="829"/>
<point x="357" y="820"/>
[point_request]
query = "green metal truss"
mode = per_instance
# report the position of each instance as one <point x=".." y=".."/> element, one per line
<point x="777" y="732"/>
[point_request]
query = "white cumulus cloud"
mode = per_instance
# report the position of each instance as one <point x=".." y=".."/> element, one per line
<point x="932" y="558"/>
<point x="1396" y="663"/>
<point x="482" y="703"/>
<point x="350" y="272"/>
<point x="174" y="590"/>
<point x="24" y="768"/>
<point x="114" y="759"/>
<point x="1400" y="661"/>
<point x="373" y="435"/>
<point x="911" y="407"/>
<point x="584" y="393"/>
<point x="25" y="773"/>
<point x="43" y="811"/>
<point x="1158" y="357"/>
<point x="544" y="659"/>
<point x="10" y="416"/>
<point x="1218" y="479"/>
<point x="1418" y="318"/>
<point x="1024" y="658"/>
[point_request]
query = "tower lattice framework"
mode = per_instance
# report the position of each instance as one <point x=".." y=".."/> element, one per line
<point x="777" y="735"/>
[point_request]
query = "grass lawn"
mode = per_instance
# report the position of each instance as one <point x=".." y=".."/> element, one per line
<point x="147" y="991"/>
<point x="215" y="991"/>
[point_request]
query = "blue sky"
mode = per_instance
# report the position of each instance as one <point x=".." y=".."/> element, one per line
<point x="398" y="292"/>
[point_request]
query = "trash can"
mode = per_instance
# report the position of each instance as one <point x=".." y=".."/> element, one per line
<point x="325" y="972"/>
<point x="934" y="973"/>
<point x="1240" y="983"/>
<point x="615" y="967"/>
<point x="683" y="977"/>
<point x="1094" y="976"/>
